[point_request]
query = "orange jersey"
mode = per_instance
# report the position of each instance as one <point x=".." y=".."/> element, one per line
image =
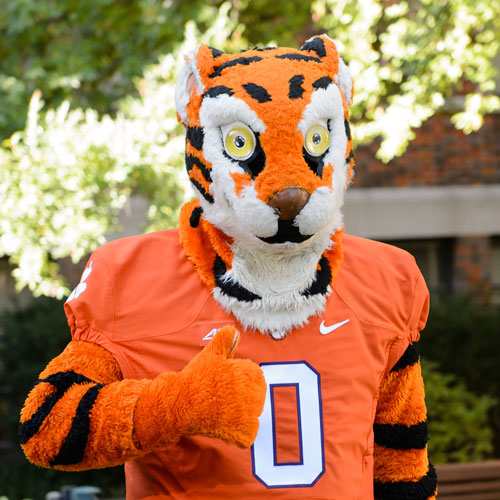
<point x="141" y="299"/>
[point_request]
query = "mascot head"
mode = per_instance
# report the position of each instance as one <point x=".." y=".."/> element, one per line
<point x="268" y="145"/>
<point x="269" y="153"/>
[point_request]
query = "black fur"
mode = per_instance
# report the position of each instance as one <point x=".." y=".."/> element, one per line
<point x="408" y="490"/>
<point x="215" y="52"/>
<point x="315" y="163"/>
<point x="298" y="57"/>
<point x="350" y="157"/>
<point x="347" y="129"/>
<point x="240" y="60"/>
<point x="321" y="280"/>
<point x="229" y="288"/>
<point x="202" y="191"/>
<point x="287" y="231"/>
<point x="195" y="137"/>
<point x="322" y="83"/>
<point x="73" y="448"/>
<point x="256" y="163"/>
<point x="191" y="161"/>
<point x="295" y="89"/>
<point x="401" y="437"/>
<point x="316" y="45"/>
<point x="409" y="357"/>
<point x="257" y="92"/>
<point x="62" y="381"/>
<point x="218" y="90"/>
<point x="194" y="219"/>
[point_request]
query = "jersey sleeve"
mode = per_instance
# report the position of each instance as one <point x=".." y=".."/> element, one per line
<point x="90" y="308"/>
<point x="401" y="465"/>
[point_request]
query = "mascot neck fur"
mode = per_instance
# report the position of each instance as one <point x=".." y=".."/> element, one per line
<point x="253" y="141"/>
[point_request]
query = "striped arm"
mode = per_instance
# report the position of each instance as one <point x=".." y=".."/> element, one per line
<point x="79" y="414"/>
<point x="402" y="470"/>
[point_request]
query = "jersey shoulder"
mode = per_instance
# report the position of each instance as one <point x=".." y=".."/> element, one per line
<point x="382" y="284"/>
<point x="135" y="283"/>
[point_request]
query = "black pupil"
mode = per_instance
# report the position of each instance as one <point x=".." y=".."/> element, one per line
<point x="239" y="141"/>
<point x="316" y="138"/>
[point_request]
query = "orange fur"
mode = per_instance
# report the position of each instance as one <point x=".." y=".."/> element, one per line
<point x="195" y="174"/>
<point x="402" y="398"/>
<point x="392" y="465"/>
<point x="240" y="181"/>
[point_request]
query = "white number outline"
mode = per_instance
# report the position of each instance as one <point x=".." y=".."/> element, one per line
<point x="269" y="401"/>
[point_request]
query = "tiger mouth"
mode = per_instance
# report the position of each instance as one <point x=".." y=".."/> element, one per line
<point x="287" y="232"/>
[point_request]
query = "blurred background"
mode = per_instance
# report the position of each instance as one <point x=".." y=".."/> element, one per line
<point x="90" y="150"/>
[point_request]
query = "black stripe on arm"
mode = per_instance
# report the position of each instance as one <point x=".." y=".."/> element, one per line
<point x="231" y="288"/>
<point x="298" y="57"/>
<point x="73" y="448"/>
<point x="195" y="137"/>
<point x="401" y="437"/>
<point x="295" y="89"/>
<point x="316" y="45"/>
<point x="217" y="91"/>
<point x="321" y="280"/>
<point x="408" y="490"/>
<point x="409" y="358"/>
<point x="192" y="161"/>
<point x="62" y="381"/>
<point x="322" y="83"/>
<point x="257" y="92"/>
<point x="245" y="61"/>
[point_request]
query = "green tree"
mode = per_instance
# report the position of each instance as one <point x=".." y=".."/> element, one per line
<point x="67" y="170"/>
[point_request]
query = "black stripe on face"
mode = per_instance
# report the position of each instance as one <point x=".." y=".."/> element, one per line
<point x="229" y="288"/>
<point x="202" y="191"/>
<point x="194" y="219"/>
<point x="257" y="92"/>
<point x="298" y="57"/>
<point x="409" y="358"/>
<point x="316" y="45"/>
<point x="195" y="137"/>
<point x="73" y="448"/>
<point x="322" y="83"/>
<point x="349" y="157"/>
<point x="401" y="437"/>
<point x="347" y="129"/>
<point x="192" y="161"/>
<point x="62" y="382"/>
<point x="215" y="52"/>
<point x="402" y="490"/>
<point x="218" y="90"/>
<point x="295" y="89"/>
<point x="245" y="61"/>
<point x="321" y="281"/>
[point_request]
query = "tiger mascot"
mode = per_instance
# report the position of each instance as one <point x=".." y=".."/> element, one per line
<point x="320" y="396"/>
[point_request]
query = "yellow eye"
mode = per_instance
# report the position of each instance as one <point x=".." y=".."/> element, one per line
<point x="317" y="140"/>
<point x="239" y="141"/>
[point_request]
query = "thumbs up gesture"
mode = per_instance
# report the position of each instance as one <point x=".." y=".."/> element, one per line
<point x="214" y="396"/>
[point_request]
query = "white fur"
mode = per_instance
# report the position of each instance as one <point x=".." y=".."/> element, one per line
<point x="344" y="80"/>
<point x="188" y="76"/>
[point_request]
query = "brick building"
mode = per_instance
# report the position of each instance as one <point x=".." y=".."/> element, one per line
<point x="440" y="201"/>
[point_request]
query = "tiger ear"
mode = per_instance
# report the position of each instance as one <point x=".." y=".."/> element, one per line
<point x="194" y="78"/>
<point x="324" y="48"/>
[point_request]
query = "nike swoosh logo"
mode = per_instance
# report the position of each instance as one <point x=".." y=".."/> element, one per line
<point x="325" y="330"/>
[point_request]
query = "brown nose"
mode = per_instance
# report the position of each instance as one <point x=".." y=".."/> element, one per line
<point x="289" y="202"/>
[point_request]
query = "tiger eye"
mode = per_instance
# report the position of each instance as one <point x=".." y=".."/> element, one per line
<point x="317" y="140"/>
<point x="239" y="142"/>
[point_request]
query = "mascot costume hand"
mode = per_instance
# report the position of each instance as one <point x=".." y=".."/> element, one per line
<point x="323" y="397"/>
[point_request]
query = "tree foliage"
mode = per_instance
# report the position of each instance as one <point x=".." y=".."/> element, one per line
<point x="106" y="72"/>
